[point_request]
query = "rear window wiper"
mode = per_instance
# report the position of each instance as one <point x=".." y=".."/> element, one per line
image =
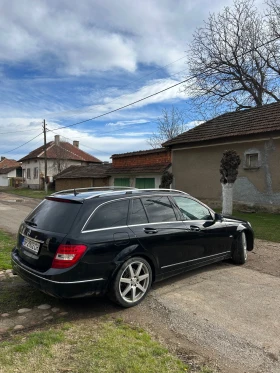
<point x="30" y="222"/>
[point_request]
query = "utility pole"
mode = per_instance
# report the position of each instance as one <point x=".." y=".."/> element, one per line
<point x="45" y="156"/>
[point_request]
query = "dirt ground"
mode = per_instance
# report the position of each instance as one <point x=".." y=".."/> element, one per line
<point x="223" y="315"/>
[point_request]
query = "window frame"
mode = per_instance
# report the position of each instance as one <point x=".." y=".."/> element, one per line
<point x="28" y="173"/>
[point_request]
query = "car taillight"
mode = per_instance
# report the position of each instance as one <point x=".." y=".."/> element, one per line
<point x="68" y="255"/>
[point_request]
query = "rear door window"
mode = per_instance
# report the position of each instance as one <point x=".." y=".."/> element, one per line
<point x="137" y="214"/>
<point x="54" y="216"/>
<point x="112" y="214"/>
<point x="159" y="209"/>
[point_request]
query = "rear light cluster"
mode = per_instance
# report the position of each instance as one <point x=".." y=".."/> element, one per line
<point x="68" y="255"/>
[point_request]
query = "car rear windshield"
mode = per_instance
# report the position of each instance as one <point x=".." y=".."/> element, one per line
<point x="54" y="216"/>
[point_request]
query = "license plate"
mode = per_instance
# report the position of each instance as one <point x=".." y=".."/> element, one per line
<point x="31" y="245"/>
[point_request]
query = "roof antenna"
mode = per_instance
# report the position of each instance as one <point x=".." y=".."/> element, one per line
<point x="75" y="193"/>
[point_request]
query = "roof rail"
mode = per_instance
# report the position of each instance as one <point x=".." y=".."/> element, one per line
<point x="136" y="190"/>
<point x="89" y="189"/>
<point x="163" y="190"/>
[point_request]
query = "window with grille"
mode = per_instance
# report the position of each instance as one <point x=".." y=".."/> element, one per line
<point x="35" y="173"/>
<point x="252" y="160"/>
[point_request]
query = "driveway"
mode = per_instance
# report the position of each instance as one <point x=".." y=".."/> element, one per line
<point x="224" y="315"/>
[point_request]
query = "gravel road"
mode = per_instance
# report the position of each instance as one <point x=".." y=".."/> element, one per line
<point x="225" y="315"/>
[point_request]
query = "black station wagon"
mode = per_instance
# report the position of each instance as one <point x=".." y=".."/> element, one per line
<point x="88" y="242"/>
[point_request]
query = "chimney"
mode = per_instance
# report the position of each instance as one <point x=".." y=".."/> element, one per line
<point x="76" y="143"/>
<point x="56" y="139"/>
<point x="2" y="158"/>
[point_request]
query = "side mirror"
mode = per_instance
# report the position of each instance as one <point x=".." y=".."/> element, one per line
<point x="218" y="217"/>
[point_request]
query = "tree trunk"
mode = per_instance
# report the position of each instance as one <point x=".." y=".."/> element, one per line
<point x="227" y="198"/>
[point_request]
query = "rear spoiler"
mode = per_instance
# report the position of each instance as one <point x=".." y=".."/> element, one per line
<point x="64" y="200"/>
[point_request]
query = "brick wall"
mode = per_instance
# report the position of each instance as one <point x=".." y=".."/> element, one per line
<point x="142" y="159"/>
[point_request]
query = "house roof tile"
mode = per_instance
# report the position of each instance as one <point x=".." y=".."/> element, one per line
<point x="104" y="170"/>
<point x="140" y="152"/>
<point x="239" y="123"/>
<point x="8" y="165"/>
<point x="64" y="149"/>
<point x="90" y="171"/>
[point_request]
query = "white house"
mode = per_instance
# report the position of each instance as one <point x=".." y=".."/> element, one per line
<point x="60" y="155"/>
<point x="9" y="169"/>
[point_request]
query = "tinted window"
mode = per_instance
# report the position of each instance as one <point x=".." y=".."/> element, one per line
<point x="138" y="214"/>
<point x="113" y="214"/>
<point x="54" y="216"/>
<point x="159" y="209"/>
<point x="192" y="210"/>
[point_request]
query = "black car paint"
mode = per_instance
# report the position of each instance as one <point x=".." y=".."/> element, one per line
<point x="107" y="249"/>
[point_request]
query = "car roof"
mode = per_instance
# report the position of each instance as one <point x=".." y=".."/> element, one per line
<point x="81" y="194"/>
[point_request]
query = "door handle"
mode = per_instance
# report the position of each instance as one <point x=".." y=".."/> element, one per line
<point x="194" y="228"/>
<point x="150" y="230"/>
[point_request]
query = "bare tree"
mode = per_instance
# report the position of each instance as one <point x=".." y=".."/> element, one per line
<point x="274" y="17"/>
<point x="170" y="125"/>
<point x="229" y="59"/>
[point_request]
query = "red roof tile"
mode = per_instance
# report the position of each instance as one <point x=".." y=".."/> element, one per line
<point x="64" y="149"/>
<point x="239" y="123"/>
<point x="8" y="165"/>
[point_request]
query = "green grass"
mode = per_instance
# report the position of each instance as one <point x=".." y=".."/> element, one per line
<point x="26" y="192"/>
<point x="265" y="225"/>
<point x="89" y="346"/>
<point x="16" y="293"/>
<point x="7" y="242"/>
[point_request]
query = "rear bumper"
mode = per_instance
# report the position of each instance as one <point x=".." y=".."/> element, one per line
<point x="58" y="289"/>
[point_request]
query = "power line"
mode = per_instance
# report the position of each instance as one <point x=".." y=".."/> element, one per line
<point x="68" y="138"/>
<point x="125" y="86"/>
<point x="154" y="94"/>
<point x="125" y="106"/>
<point x="142" y="99"/>
<point x="4" y="133"/>
<point x="24" y="143"/>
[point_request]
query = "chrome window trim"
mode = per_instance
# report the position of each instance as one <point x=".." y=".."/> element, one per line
<point x="55" y="282"/>
<point x="133" y="225"/>
<point x="193" y="260"/>
<point x="112" y="201"/>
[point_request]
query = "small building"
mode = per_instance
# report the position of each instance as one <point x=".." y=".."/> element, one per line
<point x="94" y="175"/>
<point x="141" y="169"/>
<point x="254" y="134"/>
<point x="10" y="172"/>
<point x="60" y="155"/>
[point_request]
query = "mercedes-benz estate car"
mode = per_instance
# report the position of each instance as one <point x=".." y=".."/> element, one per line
<point x="87" y="242"/>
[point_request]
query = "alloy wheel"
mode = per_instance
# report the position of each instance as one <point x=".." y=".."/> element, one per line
<point x="134" y="282"/>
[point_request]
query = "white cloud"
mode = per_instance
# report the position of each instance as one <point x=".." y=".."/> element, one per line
<point x="113" y="103"/>
<point x="78" y="38"/>
<point x="126" y="123"/>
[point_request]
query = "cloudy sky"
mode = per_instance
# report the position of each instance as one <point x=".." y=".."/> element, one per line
<point x="68" y="61"/>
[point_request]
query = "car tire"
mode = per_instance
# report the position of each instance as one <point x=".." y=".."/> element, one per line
<point x="131" y="283"/>
<point x="239" y="255"/>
